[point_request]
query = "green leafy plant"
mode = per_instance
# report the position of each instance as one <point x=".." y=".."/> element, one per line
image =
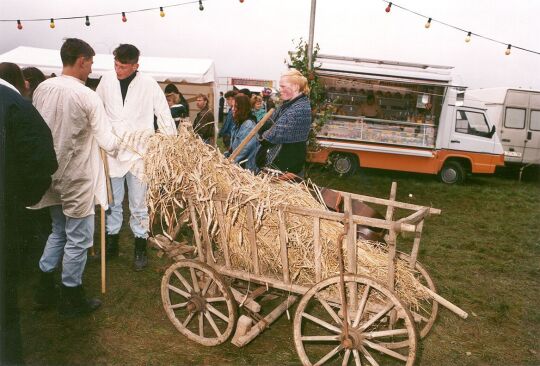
<point x="321" y="107"/>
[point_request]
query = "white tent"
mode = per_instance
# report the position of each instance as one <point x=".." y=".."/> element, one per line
<point x="195" y="71"/>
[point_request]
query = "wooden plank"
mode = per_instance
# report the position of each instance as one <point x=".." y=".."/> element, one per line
<point x="283" y="246"/>
<point x="252" y="237"/>
<point x="223" y="232"/>
<point x="246" y="301"/>
<point x="360" y="220"/>
<point x="416" y="244"/>
<point x="195" y="227"/>
<point x="317" y="247"/>
<point x="261" y="279"/>
<point x="385" y="202"/>
<point x="415" y="216"/>
<point x="351" y="248"/>
<point x="391" y="240"/>
<point x="265" y="322"/>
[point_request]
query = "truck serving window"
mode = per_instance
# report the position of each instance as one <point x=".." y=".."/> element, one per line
<point x="535" y="121"/>
<point x="514" y="118"/>
<point x="472" y="123"/>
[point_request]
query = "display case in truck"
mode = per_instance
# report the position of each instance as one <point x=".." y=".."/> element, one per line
<point x="403" y="116"/>
<point x="516" y="113"/>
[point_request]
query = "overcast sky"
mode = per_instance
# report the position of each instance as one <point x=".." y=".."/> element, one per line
<point x="251" y="39"/>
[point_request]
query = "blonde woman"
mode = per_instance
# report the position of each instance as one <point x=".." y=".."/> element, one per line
<point x="283" y="145"/>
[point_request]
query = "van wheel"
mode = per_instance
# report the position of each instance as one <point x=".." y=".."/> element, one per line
<point x="452" y="172"/>
<point x="344" y="164"/>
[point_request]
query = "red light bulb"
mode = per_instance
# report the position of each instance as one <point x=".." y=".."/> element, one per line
<point x="19" y="25"/>
<point x="124" y="19"/>
<point x="388" y="8"/>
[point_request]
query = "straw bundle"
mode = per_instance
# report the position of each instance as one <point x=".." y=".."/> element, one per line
<point x="183" y="167"/>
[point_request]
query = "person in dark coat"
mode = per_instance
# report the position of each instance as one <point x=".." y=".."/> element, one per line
<point x="203" y="124"/>
<point x="27" y="162"/>
<point x="221" y="107"/>
<point x="284" y="138"/>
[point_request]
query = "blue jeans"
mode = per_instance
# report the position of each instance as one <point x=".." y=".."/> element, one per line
<point x="70" y="239"/>
<point x="137" y="206"/>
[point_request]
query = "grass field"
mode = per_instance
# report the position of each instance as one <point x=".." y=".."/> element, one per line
<point x="483" y="252"/>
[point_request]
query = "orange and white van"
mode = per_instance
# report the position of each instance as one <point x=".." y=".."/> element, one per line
<point x="403" y="116"/>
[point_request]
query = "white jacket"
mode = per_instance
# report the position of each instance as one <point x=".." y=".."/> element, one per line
<point x="135" y="115"/>
<point x="78" y="123"/>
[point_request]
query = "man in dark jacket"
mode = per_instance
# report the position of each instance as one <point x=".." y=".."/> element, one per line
<point x="27" y="161"/>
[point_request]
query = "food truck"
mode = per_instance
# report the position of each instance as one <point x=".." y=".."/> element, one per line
<point x="516" y="115"/>
<point x="403" y="116"/>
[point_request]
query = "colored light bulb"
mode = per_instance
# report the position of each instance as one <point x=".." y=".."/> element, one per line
<point x="388" y="8"/>
<point x="51" y="24"/>
<point x="508" y="51"/>
<point x="124" y="19"/>
<point x="19" y="25"/>
<point x="161" y="12"/>
<point x="87" y="22"/>
<point x="201" y="7"/>
<point x="428" y="23"/>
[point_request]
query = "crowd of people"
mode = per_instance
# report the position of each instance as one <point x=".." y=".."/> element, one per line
<point x="67" y="138"/>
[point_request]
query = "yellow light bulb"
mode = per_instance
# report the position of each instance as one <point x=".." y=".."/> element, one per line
<point x="52" y="23"/>
<point x="161" y="12"/>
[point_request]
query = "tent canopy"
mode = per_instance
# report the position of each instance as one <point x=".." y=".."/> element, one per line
<point x="196" y="71"/>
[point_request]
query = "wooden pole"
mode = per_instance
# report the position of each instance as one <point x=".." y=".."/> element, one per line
<point x="251" y="134"/>
<point x="103" y="264"/>
<point x="109" y="200"/>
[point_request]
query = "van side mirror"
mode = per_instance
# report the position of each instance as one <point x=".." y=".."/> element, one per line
<point x="492" y="132"/>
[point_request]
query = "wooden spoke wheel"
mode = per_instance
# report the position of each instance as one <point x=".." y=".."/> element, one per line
<point x="198" y="302"/>
<point x="319" y="326"/>
<point x="425" y="314"/>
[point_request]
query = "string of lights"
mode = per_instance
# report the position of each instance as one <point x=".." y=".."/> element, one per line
<point x="123" y="15"/>
<point x="390" y="4"/>
<point x="468" y="33"/>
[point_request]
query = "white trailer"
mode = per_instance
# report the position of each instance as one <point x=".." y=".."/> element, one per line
<point x="516" y="113"/>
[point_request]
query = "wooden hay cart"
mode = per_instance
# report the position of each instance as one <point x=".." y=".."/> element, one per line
<point x="345" y="319"/>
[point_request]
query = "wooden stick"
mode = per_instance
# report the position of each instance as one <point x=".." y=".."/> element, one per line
<point x="103" y="233"/>
<point x="447" y="304"/>
<point x="251" y="134"/>
<point x="263" y="324"/>
<point x="103" y="263"/>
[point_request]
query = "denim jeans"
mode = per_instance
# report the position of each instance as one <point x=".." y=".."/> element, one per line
<point x="70" y="239"/>
<point x="137" y="206"/>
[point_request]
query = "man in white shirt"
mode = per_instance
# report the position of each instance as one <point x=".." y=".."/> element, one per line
<point x="131" y="101"/>
<point x="79" y="126"/>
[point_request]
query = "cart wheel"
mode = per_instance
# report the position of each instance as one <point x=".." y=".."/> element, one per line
<point x="319" y="334"/>
<point x="425" y="315"/>
<point x="198" y="302"/>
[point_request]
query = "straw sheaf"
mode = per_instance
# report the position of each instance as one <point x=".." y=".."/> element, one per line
<point x="183" y="167"/>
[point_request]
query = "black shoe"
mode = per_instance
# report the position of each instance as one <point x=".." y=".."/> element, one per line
<point x="46" y="295"/>
<point x="141" y="260"/>
<point x="111" y="245"/>
<point x="73" y="302"/>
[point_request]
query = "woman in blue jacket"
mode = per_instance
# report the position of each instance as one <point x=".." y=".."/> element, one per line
<point x="244" y="122"/>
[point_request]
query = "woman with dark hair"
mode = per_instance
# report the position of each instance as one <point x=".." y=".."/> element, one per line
<point x="244" y="122"/>
<point x="32" y="78"/>
<point x="12" y="73"/>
